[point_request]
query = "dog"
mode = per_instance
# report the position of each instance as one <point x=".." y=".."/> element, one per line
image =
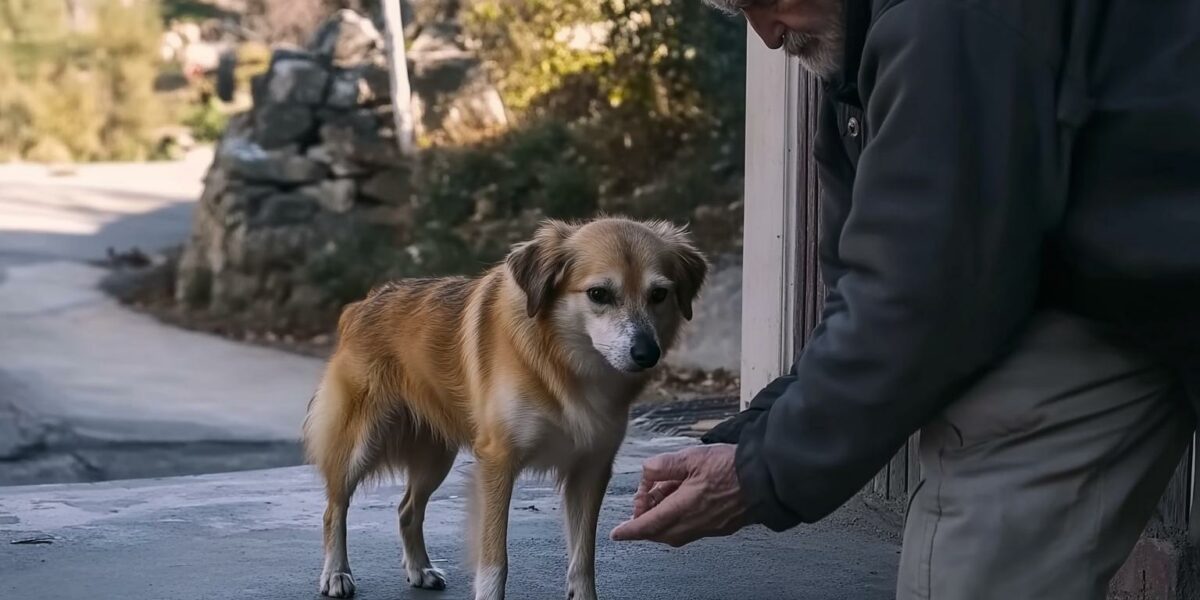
<point x="533" y="366"/>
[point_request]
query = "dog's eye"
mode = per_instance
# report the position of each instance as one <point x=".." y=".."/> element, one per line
<point x="658" y="295"/>
<point x="599" y="295"/>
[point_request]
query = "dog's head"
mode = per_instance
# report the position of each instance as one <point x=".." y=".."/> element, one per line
<point x="612" y="288"/>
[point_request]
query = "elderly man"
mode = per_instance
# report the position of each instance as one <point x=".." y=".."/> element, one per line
<point x="1011" y="244"/>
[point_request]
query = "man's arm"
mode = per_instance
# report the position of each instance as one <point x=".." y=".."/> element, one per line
<point x="941" y="250"/>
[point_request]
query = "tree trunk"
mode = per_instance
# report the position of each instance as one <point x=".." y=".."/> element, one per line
<point x="401" y="89"/>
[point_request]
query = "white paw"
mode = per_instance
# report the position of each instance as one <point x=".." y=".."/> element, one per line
<point x="489" y="583"/>
<point x="428" y="578"/>
<point x="337" y="585"/>
<point x="581" y="593"/>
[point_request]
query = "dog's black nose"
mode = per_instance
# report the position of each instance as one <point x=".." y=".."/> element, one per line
<point x="645" y="351"/>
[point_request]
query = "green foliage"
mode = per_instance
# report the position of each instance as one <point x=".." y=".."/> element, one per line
<point x="539" y="167"/>
<point x="68" y="94"/>
<point x="651" y="91"/>
<point x="206" y="120"/>
<point x="352" y="264"/>
<point x="358" y="260"/>
<point x="669" y="59"/>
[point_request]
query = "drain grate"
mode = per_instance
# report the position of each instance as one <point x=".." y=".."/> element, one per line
<point x="691" y="418"/>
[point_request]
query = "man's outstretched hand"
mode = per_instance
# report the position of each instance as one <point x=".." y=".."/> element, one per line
<point x="685" y="496"/>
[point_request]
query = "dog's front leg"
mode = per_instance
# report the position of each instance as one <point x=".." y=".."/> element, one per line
<point x="583" y="491"/>
<point x="494" y="486"/>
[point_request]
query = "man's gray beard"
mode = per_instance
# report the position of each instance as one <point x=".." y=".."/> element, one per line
<point x="821" y="54"/>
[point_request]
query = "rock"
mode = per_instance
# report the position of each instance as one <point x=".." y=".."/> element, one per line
<point x="278" y="125"/>
<point x="452" y="94"/>
<point x="295" y="79"/>
<point x="241" y="200"/>
<point x="362" y="122"/>
<point x="347" y="39"/>
<point x="334" y="195"/>
<point x="261" y="250"/>
<point x="713" y="339"/>
<point x="343" y="90"/>
<point x="316" y="159"/>
<point x="249" y="161"/>
<point x="345" y="143"/>
<point x="284" y="209"/>
<point x="338" y="165"/>
<point x="368" y="85"/>
<point x="375" y="85"/>
<point x="391" y="186"/>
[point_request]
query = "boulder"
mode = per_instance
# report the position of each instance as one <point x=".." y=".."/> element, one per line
<point x="348" y="39"/>
<point x="344" y="142"/>
<point x="295" y="78"/>
<point x="277" y="125"/>
<point x="285" y="209"/>
<point x="252" y="163"/>
<point x="333" y="195"/>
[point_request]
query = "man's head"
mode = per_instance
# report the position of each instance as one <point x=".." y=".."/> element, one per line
<point x="810" y="30"/>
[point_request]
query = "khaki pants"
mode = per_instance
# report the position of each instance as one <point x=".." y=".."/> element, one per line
<point x="1039" y="480"/>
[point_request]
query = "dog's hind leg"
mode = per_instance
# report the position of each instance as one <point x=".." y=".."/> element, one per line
<point x="336" y="580"/>
<point x="424" y="476"/>
<point x="338" y="440"/>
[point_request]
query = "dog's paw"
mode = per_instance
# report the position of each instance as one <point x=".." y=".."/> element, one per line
<point x="337" y="585"/>
<point x="428" y="578"/>
<point x="581" y="593"/>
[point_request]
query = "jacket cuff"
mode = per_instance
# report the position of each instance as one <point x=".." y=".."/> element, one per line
<point x="758" y="488"/>
<point x="730" y="430"/>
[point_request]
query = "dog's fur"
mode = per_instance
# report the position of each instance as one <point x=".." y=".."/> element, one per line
<point x="528" y="366"/>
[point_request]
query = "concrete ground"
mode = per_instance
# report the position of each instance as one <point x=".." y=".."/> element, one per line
<point x="90" y="390"/>
<point x="257" y="535"/>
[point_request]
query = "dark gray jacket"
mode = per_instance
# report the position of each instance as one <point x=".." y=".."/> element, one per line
<point x="980" y="159"/>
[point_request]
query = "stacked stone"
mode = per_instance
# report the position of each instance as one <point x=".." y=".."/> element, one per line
<point x="314" y="160"/>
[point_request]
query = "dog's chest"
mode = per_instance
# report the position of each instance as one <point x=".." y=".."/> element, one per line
<point x="587" y="427"/>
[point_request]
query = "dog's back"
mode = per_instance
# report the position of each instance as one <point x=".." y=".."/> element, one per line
<point x="398" y="352"/>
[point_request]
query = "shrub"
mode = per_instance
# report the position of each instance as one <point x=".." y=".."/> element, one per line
<point x="78" y="95"/>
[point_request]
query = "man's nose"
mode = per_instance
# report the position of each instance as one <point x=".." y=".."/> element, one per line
<point x="768" y="28"/>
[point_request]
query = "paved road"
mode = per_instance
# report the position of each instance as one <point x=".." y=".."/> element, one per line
<point x="257" y="535"/>
<point x="90" y="390"/>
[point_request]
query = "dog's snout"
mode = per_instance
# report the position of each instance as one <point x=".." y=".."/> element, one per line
<point x="645" y="351"/>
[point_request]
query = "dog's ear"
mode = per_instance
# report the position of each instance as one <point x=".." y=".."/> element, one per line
<point x="687" y="267"/>
<point x="539" y="265"/>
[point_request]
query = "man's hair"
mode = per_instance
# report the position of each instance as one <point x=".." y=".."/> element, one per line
<point x="729" y="7"/>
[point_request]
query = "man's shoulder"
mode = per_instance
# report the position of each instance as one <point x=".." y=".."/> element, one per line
<point x="1039" y="21"/>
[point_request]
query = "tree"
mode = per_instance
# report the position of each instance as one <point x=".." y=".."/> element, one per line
<point x="401" y="88"/>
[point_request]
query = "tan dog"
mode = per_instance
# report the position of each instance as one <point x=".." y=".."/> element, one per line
<point x="533" y="366"/>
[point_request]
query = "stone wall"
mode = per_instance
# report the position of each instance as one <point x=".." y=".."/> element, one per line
<point x="315" y="164"/>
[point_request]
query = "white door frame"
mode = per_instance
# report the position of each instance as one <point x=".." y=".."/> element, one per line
<point x="771" y="234"/>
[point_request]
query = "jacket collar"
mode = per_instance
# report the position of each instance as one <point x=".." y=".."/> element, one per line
<point x="843" y="85"/>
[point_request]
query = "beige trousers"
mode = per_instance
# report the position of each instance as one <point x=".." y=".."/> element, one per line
<point x="1039" y="480"/>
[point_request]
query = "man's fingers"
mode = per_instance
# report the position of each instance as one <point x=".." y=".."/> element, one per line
<point x="645" y="499"/>
<point x="655" y="470"/>
<point x="659" y="518"/>
<point x="641" y="499"/>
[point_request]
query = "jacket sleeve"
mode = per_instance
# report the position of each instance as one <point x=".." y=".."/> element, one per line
<point x="940" y="255"/>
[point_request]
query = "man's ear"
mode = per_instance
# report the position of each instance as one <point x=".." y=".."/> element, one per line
<point x="686" y="267"/>
<point x="540" y="265"/>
